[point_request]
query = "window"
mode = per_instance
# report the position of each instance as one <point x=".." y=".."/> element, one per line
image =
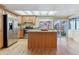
<point x="77" y="23"/>
<point x="72" y="24"/>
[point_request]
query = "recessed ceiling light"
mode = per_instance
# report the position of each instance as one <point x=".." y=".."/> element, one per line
<point x="28" y="12"/>
<point x="43" y="12"/>
<point x="20" y="12"/>
<point x="52" y="12"/>
<point x="36" y="12"/>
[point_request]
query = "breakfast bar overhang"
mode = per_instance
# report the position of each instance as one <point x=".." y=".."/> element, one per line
<point x="42" y="39"/>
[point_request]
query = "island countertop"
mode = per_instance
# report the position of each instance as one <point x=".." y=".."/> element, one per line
<point x="34" y="30"/>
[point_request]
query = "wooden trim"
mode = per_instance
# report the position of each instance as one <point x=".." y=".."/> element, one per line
<point x="5" y="8"/>
<point x="56" y="17"/>
<point x="1" y="6"/>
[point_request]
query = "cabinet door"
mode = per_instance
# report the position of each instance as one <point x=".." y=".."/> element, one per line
<point x="34" y="20"/>
<point x="30" y="19"/>
<point x="1" y="32"/>
<point x="26" y="19"/>
<point x="1" y="39"/>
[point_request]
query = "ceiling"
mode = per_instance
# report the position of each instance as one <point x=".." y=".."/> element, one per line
<point x="44" y="9"/>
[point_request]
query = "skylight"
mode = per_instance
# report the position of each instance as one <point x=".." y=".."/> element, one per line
<point x="52" y="12"/>
<point x="40" y="13"/>
<point x="28" y="12"/>
<point x="43" y="12"/>
<point x="36" y="12"/>
<point x="20" y="12"/>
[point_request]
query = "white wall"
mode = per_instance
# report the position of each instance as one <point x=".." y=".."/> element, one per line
<point x="73" y="34"/>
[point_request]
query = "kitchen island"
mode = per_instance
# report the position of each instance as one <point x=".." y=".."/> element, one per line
<point x="42" y="39"/>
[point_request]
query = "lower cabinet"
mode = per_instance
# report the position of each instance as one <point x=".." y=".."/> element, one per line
<point x="1" y="39"/>
<point x="20" y="34"/>
<point x="1" y="31"/>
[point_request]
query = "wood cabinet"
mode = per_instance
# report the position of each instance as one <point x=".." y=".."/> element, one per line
<point x="1" y="31"/>
<point x="20" y="33"/>
<point x="20" y="19"/>
<point x="1" y="39"/>
<point x="42" y="40"/>
<point x="29" y="19"/>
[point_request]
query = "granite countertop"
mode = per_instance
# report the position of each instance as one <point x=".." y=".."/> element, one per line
<point x="41" y="30"/>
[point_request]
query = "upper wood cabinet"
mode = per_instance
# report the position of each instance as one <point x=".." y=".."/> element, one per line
<point x="31" y="19"/>
<point x="34" y="19"/>
<point x="26" y="19"/>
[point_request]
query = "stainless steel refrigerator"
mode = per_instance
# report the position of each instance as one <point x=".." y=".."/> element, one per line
<point x="10" y="30"/>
